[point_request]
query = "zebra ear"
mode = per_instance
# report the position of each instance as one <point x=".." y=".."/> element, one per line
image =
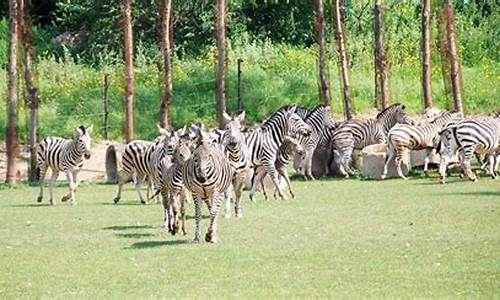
<point x="78" y="132"/>
<point x="292" y="109"/>
<point x="226" y="118"/>
<point x="241" y="116"/>
<point x="403" y="106"/>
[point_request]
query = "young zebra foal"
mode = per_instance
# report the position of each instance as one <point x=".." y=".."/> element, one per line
<point x="63" y="155"/>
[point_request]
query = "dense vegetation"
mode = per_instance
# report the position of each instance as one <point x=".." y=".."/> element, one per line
<point x="276" y="42"/>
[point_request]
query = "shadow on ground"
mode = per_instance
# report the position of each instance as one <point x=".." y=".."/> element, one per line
<point x="127" y="227"/>
<point x="135" y="235"/>
<point x="154" y="244"/>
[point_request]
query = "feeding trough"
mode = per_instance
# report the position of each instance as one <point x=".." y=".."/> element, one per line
<point x="374" y="160"/>
<point x="113" y="162"/>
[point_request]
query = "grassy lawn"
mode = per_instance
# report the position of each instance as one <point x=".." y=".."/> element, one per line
<point x="339" y="238"/>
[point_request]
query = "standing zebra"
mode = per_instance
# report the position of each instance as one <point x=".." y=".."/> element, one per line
<point x="142" y="159"/>
<point x="404" y="136"/>
<point x="63" y="155"/>
<point x="359" y="133"/>
<point x="290" y="146"/>
<point x="263" y="142"/>
<point x="320" y="120"/>
<point x="235" y="148"/>
<point x="207" y="174"/>
<point x="470" y="137"/>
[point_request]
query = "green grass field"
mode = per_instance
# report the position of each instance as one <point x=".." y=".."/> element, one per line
<point x="339" y="238"/>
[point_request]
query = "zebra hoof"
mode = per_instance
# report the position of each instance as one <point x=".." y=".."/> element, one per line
<point x="210" y="237"/>
<point x="383" y="177"/>
<point x="116" y="200"/>
<point x="143" y="202"/>
<point x="65" y="198"/>
<point x="52" y="202"/>
<point x="227" y="215"/>
<point x="196" y="240"/>
<point x="39" y="199"/>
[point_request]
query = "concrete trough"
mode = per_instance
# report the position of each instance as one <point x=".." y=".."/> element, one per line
<point x="374" y="160"/>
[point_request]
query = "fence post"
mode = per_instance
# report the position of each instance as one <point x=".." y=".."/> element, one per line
<point x="240" y="104"/>
<point x="106" y="106"/>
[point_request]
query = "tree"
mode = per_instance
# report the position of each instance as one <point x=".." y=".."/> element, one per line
<point x="12" y="136"/>
<point x="443" y="48"/>
<point x="322" y="60"/>
<point x="453" y="56"/>
<point x="426" y="53"/>
<point x="129" y="70"/>
<point x="166" y="39"/>
<point x="340" y="38"/>
<point x="221" y="59"/>
<point x="381" y="64"/>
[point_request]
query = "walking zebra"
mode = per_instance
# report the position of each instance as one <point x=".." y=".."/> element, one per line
<point x="63" y="155"/>
<point x="359" y="133"/>
<point x="404" y="136"/>
<point x="290" y="146"/>
<point x="207" y="174"/>
<point x="320" y="120"/>
<point x="470" y="137"/>
<point x="142" y="159"/>
<point x="171" y="185"/>
<point x="235" y="148"/>
<point x="263" y="142"/>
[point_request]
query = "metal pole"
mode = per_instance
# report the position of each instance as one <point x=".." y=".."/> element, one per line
<point x="240" y="104"/>
<point x="106" y="106"/>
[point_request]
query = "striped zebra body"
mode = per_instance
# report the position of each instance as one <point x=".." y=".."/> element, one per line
<point x="264" y="141"/>
<point x="470" y="137"/>
<point x="63" y="155"/>
<point x="207" y="175"/>
<point x="290" y="147"/>
<point x="359" y="133"/>
<point x="320" y="120"/>
<point x="405" y="137"/>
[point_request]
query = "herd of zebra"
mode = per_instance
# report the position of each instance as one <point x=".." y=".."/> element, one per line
<point x="212" y="165"/>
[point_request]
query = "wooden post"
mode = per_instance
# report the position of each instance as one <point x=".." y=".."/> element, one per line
<point x="106" y="107"/>
<point x="426" y="54"/>
<point x="166" y="44"/>
<point x="129" y="70"/>
<point x="343" y="58"/>
<point x="220" y="8"/>
<point x="381" y="65"/>
<point x="453" y="56"/>
<point x="443" y="47"/>
<point x="12" y="136"/>
<point x="240" y="103"/>
<point x="324" y="82"/>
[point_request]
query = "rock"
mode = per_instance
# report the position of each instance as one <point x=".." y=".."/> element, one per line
<point x="374" y="160"/>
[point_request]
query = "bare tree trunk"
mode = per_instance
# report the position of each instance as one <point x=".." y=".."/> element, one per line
<point x="221" y="59"/>
<point x="443" y="49"/>
<point x="12" y="137"/>
<point x="340" y="38"/>
<point x="426" y="54"/>
<point x="322" y="61"/>
<point x="129" y="70"/>
<point x="453" y="56"/>
<point x="381" y="64"/>
<point x="33" y="98"/>
<point x="165" y="32"/>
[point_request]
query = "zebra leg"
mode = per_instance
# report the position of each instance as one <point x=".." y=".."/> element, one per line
<point x="388" y="157"/>
<point x="211" y="235"/>
<point x="443" y="165"/>
<point x="271" y="171"/>
<point x="309" y="159"/>
<point x="41" y="181"/>
<point x="256" y="179"/>
<point x="139" y="179"/>
<point x="164" y="196"/>
<point x="497" y="162"/>
<point x="466" y="156"/>
<point x="426" y="161"/>
<point x="238" y="193"/>
<point x="491" y="159"/>
<point x="283" y="172"/>
<point x="399" y="162"/>
<point x="345" y="157"/>
<point x="72" y="187"/>
<point x="123" y="177"/>
<point x="227" y="198"/>
<point x="197" y="216"/>
<point x="183" y="210"/>
<point x="175" y="212"/>
<point x="53" y="179"/>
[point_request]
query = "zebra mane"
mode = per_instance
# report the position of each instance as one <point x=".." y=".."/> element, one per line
<point x="389" y="109"/>
<point x="276" y="115"/>
<point x="316" y="109"/>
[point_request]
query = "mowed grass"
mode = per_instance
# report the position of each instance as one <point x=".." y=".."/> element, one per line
<point x="339" y="238"/>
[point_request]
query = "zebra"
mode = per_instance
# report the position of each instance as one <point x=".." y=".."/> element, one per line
<point x="235" y="148"/>
<point x="320" y="120"/>
<point x="263" y="142"/>
<point x="142" y="159"/>
<point x="64" y="155"/>
<point x="359" y="133"/>
<point x="207" y="175"/>
<point x="470" y="137"/>
<point x="171" y="186"/>
<point x="405" y="136"/>
<point x="290" y="146"/>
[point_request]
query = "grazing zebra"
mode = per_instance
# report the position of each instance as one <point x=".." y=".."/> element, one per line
<point x="207" y="175"/>
<point x="470" y="137"/>
<point x="142" y="159"/>
<point x="320" y="120"/>
<point x="63" y="155"/>
<point x="263" y="142"/>
<point x="404" y="136"/>
<point x="290" y="146"/>
<point x="171" y="185"/>
<point x="235" y="148"/>
<point x="359" y="133"/>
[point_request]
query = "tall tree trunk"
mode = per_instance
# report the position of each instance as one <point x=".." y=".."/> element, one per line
<point x="381" y="64"/>
<point x="443" y="48"/>
<point x="166" y="40"/>
<point x="322" y="60"/>
<point x="221" y="59"/>
<point x="426" y="54"/>
<point x="12" y="137"/>
<point x="340" y="38"/>
<point x="33" y="98"/>
<point x="129" y="70"/>
<point x="453" y="56"/>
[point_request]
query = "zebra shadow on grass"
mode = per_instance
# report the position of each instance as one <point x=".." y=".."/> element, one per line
<point x="155" y="244"/>
<point x="127" y="227"/>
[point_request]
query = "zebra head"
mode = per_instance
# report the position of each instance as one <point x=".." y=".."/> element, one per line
<point x="83" y="140"/>
<point x="296" y="125"/>
<point x="182" y="151"/>
<point x="169" y="140"/>
<point x="202" y="157"/>
<point x="232" y="136"/>
<point x="392" y="115"/>
<point x="293" y="146"/>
